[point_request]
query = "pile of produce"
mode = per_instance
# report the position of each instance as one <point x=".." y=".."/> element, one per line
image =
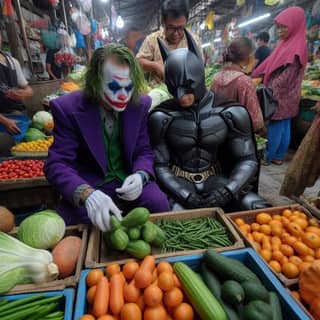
<point x="310" y="88"/>
<point x="146" y="291"/>
<point x="308" y="292"/>
<point x="194" y="234"/>
<point x="210" y="71"/>
<point x="135" y="233"/>
<point x="21" y="169"/>
<point x="69" y="86"/>
<point x="159" y="94"/>
<point x="288" y="242"/>
<point x="35" y="307"/>
<point x="77" y="77"/>
<point x="39" y="146"/>
<point x="25" y="259"/>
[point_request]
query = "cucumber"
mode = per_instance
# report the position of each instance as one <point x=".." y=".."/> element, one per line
<point x="134" y="233"/>
<point x="228" y="268"/>
<point x="160" y="238"/>
<point x="257" y="310"/>
<point x="115" y="223"/>
<point x="232" y="292"/>
<point x="275" y="306"/>
<point x="119" y="239"/>
<point x="149" y="232"/>
<point x="213" y="283"/>
<point x="138" y="248"/>
<point x="136" y="217"/>
<point x="254" y="291"/>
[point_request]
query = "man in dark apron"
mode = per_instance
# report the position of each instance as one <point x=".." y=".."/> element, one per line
<point x="13" y="90"/>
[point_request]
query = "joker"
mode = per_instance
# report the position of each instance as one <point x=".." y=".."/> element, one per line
<point x="101" y="160"/>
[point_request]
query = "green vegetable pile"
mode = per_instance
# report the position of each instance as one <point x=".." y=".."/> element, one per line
<point x="193" y="234"/>
<point x="210" y="71"/>
<point x="135" y="233"/>
<point x="35" y="307"/>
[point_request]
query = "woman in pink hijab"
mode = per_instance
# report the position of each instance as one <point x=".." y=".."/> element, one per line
<point x="283" y="71"/>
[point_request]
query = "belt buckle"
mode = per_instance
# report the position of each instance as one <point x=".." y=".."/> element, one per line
<point x="197" y="177"/>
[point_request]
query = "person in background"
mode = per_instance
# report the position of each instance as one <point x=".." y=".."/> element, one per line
<point x="263" y="50"/>
<point x="13" y="90"/>
<point x="174" y="15"/>
<point x="101" y="160"/>
<point x="283" y="72"/>
<point x="134" y="39"/>
<point x="232" y="83"/>
<point x="54" y="70"/>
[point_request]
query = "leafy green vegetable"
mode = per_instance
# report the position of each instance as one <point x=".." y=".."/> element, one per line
<point x="42" y="230"/>
<point x="34" y="134"/>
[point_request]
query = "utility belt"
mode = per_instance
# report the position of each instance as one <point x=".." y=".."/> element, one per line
<point x="198" y="177"/>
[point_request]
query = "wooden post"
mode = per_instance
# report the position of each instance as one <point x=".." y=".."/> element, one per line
<point x="24" y="35"/>
<point x="63" y="8"/>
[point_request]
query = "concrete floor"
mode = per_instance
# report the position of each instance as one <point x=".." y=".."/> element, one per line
<point x="271" y="178"/>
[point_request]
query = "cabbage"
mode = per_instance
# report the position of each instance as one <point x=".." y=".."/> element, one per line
<point x="158" y="95"/>
<point x="42" y="230"/>
<point x="40" y="119"/>
<point x="34" y="134"/>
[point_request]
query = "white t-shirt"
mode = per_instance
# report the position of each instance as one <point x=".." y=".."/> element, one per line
<point x="14" y="64"/>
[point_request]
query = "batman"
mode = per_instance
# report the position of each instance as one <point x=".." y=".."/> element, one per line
<point x="205" y="151"/>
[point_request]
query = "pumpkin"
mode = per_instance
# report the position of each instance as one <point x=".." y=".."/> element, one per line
<point x="315" y="308"/>
<point x="309" y="282"/>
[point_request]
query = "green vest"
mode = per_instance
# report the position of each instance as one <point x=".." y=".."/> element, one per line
<point x="115" y="166"/>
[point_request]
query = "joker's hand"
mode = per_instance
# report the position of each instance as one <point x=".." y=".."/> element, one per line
<point x="131" y="188"/>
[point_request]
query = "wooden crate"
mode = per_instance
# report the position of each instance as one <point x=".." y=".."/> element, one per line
<point x="250" y="217"/>
<point x="312" y="204"/>
<point x="81" y="231"/>
<point x="97" y="251"/>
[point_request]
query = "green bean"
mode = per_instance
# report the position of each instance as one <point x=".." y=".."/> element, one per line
<point x="20" y="302"/>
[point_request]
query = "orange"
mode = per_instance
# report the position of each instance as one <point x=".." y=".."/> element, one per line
<point x="296" y="295"/>
<point x="313" y="229"/>
<point x="275" y="240"/>
<point x="295" y="260"/>
<point x="301" y="222"/>
<point x="275" y="223"/>
<point x="265" y="229"/>
<point x="317" y="253"/>
<point x="164" y="266"/>
<point x="173" y="297"/>
<point x="94" y="276"/>
<point x="239" y="222"/>
<point x="275" y="266"/>
<point x="155" y="313"/>
<point x="301" y="248"/>
<point x="87" y="317"/>
<point x="276" y="231"/>
<point x="266" y="243"/>
<point x="152" y="295"/>
<point x="275" y="247"/>
<point x="130" y="311"/>
<point x="91" y="294"/>
<point x="286" y="250"/>
<point x="263" y="218"/>
<point x="312" y="240"/>
<point x="166" y="281"/>
<point x="304" y="265"/>
<point x="296" y="213"/>
<point x="284" y="260"/>
<point x="112" y="269"/>
<point x="290" y="270"/>
<point x="308" y="258"/>
<point x="183" y="312"/>
<point x="276" y="217"/>
<point x="302" y="215"/>
<point x="107" y="317"/>
<point x="257" y="236"/>
<point x="285" y="221"/>
<point x="294" y="229"/>
<point x="130" y="269"/>
<point x="265" y="254"/>
<point x="255" y="226"/>
<point x="277" y="255"/>
<point x="289" y="240"/>
<point x="245" y="228"/>
<point x="287" y="213"/>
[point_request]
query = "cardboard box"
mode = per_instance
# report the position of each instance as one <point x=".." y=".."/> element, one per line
<point x="65" y="304"/>
<point x="290" y="309"/>
<point x="250" y="217"/>
<point x="81" y="231"/>
<point x="98" y="255"/>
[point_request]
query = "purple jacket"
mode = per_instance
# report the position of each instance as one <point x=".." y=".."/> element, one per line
<point x="77" y="155"/>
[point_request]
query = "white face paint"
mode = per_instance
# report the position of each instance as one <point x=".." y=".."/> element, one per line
<point x="117" y="86"/>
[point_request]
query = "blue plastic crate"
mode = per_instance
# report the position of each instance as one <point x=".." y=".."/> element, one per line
<point x="291" y="310"/>
<point x="66" y="304"/>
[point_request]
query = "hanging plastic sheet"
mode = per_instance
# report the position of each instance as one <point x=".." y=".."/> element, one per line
<point x="85" y="5"/>
<point x="81" y="21"/>
<point x="81" y="44"/>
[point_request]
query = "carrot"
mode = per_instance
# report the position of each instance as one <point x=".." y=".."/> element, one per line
<point x="101" y="299"/>
<point x="144" y="275"/>
<point x="116" y="293"/>
<point x="130" y="292"/>
<point x="65" y="255"/>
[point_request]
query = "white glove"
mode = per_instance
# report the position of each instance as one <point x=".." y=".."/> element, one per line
<point x="131" y="187"/>
<point x="99" y="207"/>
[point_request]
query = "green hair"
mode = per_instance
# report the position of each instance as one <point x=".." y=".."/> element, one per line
<point x="94" y="75"/>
